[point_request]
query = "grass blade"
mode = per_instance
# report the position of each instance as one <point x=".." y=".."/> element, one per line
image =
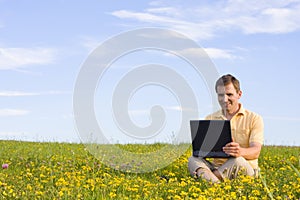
<point x="294" y="168"/>
<point x="265" y="185"/>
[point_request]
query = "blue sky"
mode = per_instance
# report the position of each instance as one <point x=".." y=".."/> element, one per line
<point x="43" y="45"/>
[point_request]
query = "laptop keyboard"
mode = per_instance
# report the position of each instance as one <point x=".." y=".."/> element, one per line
<point x="210" y="154"/>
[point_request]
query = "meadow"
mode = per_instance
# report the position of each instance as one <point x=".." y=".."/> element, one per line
<point x="69" y="171"/>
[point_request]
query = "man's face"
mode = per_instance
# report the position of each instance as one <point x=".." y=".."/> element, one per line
<point x="228" y="98"/>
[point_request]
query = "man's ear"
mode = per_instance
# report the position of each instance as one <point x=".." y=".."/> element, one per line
<point x="240" y="94"/>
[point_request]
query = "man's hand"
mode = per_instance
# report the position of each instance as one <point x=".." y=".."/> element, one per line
<point x="233" y="149"/>
<point x="250" y="153"/>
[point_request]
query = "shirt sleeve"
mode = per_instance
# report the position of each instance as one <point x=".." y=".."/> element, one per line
<point x="257" y="130"/>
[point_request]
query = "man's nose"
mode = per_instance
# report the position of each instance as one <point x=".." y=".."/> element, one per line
<point x="225" y="98"/>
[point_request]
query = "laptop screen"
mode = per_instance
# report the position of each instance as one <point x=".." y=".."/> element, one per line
<point x="209" y="136"/>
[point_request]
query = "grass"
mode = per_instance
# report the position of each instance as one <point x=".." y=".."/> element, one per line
<point x="70" y="171"/>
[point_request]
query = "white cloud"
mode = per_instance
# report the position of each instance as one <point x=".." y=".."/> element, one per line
<point x="220" y="53"/>
<point x="195" y="30"/>
<point x="23" y="94"/>
<point x="145" y="17"/>
<point x="16" y="94"/>
<point x="206" y="21"/>
<point x="272" y="20"/>
<point x="213" y="53"/>
<point x="12" y="112"/>
<point x="89" y="43"/>
<point x="165" y="10"/>
<point x="14" y="58"/>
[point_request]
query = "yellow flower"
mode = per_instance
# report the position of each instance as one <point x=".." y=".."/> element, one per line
<point x="112" y="195"/>
<point x="60" y="193"/>
<point x="183" y="193"/>
<point x="29" y="187"/>
<point x="227" y="187"/>
<point x="39" y="193"/>
<point x="256" y="192"/>
<point x="182" y="184"/>
<point x="233" y="195"/>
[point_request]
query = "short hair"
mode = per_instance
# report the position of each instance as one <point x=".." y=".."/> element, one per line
<point x="227" y="79"/>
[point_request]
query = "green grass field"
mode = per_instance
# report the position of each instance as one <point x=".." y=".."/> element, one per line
<point x="69" y="171"/>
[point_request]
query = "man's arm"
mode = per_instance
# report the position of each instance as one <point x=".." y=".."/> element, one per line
<point x="250" y="153"/>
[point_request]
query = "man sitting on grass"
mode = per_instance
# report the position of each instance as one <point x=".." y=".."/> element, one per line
<point x="247" y="133"/>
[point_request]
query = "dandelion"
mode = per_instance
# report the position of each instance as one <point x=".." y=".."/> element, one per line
<point x="256" y="192"/>
<point x="233" y="195"/>
<point x="227" y="187"/>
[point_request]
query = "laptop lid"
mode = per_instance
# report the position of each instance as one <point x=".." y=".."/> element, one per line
<point x="209" y="136"/>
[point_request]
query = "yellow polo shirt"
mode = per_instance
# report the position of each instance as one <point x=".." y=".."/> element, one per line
<point x="246" y="127"/>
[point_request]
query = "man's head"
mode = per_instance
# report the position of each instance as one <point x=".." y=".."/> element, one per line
<point x="228" y="89"/>
<point x="226" y="80"/>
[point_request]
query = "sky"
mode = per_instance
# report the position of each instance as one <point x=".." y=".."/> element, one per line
<point x="44" y="45"/>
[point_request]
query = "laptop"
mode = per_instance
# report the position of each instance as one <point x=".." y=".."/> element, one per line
<point x="209" y="136"/>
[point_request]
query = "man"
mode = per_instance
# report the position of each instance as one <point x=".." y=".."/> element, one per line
<point x="247" y="133"/>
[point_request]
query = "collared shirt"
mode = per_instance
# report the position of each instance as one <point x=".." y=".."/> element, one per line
<point x="246" y="127"/>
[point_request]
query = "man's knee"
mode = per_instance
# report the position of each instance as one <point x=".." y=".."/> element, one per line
<point x="242" y="164"/>
<point x="233" y="166"/>
<point x="239" y="161"/>
<point x="195" y="163"/>
<point x="198" y="167"/>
